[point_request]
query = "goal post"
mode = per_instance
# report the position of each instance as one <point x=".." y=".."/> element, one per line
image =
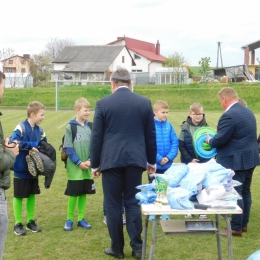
<point x="82" y="83"/>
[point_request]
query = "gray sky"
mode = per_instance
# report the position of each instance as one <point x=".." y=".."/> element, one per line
<point x="192" y="28"/>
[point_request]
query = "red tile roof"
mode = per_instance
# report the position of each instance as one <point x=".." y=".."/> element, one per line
<point x="146" y="49"/>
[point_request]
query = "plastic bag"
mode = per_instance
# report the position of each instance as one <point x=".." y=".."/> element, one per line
<point x="146" y="187"/>
<point x="146" y="197"/>
<point x="254" y="256"/>
<point x="178" y="198"/>
<point x="176" y="173"/>
<point x="193" y="181"/>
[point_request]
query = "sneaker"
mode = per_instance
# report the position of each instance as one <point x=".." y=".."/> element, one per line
<point x="105" y="220"/>
<point x="31" y="166"/>
<point x="202" y="216"/>
<point x="18" y="229"/>
<point x="124" y="221"/>
<point x="165" y="217"/>
<point x="37" y="160"/>
<point x="68" y="225"/>
<point x="188" y="216"/>
<point x="83" y="223"/>
<point x="33" y="227"/>
<point x="151" y="217"/>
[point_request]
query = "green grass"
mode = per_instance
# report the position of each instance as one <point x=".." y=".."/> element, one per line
<point x="179" y="97"/>
<point x="54" y="244"/>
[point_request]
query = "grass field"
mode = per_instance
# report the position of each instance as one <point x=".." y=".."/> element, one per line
<point x="55" y="244"/>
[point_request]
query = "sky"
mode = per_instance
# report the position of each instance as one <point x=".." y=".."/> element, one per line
<point x="191" y="28"/>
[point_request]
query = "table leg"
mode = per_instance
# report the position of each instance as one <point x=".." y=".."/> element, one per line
<point x="229" y="236"/>
<point x="154" y="231"/>
<point x="145" y="237"/>
<point x="218" y="237"/>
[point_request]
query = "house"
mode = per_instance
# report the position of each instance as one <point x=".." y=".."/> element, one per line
<point x="17" y="64"/>
<point x="146" y="55"/>
<point x="249" y="50"/>
<point x="18" y="80"/>
<point x="90" y="63"/>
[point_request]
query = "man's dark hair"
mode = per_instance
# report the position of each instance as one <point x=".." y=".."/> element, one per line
<point x="121" y="75"/>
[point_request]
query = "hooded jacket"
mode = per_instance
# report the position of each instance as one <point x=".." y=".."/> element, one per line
<point x="7" y="159"/>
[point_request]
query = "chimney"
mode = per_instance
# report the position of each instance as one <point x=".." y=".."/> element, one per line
<point x="157" y="50"/>
<point x="26" y="56"/>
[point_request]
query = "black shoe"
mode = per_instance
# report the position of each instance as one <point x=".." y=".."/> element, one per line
<point x="33" y="227"/>
<point x="18" y="229"/>
<point x="137" y="254"/>
<point x="31" y="166"/>
<point x="109" y="251"/>
<point x="38" y="161"/>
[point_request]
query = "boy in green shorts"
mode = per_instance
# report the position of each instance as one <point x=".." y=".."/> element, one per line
<point x="80" y="181"/>
<point x="28" y="134"/>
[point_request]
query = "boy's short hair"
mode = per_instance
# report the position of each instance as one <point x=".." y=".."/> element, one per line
<point x="196" y="107"/>
<point x="34" y="107"/>
<point x="160" y="104"/>
<point x="81" y="102"/>
<point x="2" y="76"/>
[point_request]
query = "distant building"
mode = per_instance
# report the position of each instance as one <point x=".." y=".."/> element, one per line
<point x="169" y="75"/>
<point x="17" y="64"/>
<point x="146" y="55"/>
<point x="90" y="63"/>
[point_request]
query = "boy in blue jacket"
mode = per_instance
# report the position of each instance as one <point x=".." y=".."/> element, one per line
<point x="28" y="134"/>
<point x="166" y="140"/>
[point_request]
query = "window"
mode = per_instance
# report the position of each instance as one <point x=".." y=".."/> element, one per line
<point x="23" y="70"/>
<point x="10" y="61"/>
<point x="23" y="62"/>
<point x="136" y="57"/>
<point x="9" y="70"/>
<point x="83" y="75"/>
<point x="123" y="59"/>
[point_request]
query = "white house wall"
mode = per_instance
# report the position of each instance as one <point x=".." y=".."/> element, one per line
<point x="118" y="61"/>
<point x="144" y="65"/>
<point x="59" y="66"/>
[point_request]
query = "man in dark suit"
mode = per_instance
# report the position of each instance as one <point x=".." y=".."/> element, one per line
<point x="123" y="145"/>
<point x="237" y="149"/>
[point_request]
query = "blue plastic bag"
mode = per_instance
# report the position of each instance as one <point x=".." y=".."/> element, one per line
<point x="178" y="198"/>
<point x="176" y="173"/>
<point x="254" y="256"/>
<point x="146" y="197"/>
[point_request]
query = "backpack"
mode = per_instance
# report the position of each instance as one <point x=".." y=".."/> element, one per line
<point x="64" y="156"/>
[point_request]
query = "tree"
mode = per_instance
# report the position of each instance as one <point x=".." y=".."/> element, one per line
<point x="6" y="53"/>
<point x="205" y="66"/>
<point x="55" y="46"/>
<point x="41" y="66"/>
<point x="179" y="63"/>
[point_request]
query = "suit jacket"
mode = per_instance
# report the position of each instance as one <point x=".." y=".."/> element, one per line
<point x="123" y="131"/>
<point x="236" y="139"/>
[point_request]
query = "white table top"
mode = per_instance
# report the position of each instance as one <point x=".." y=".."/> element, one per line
<point x="151" y="209"/>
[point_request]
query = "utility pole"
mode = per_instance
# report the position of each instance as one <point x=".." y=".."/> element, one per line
<point x="219" y="53"/>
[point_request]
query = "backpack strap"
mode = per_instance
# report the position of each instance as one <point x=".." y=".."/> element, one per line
<point x="21" y="124"/>
<point x="73" y="131"/>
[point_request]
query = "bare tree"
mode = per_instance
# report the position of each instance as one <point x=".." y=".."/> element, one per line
<point x="55" y="46"/>
<point x="6" y="53"/>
